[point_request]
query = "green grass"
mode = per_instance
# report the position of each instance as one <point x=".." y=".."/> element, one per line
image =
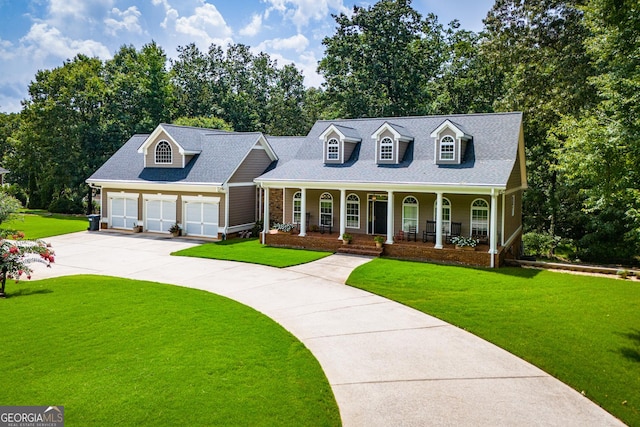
<point x="129" y="353"/>
<point x="252" y="251"/>
<point x="40" y="224"/>
<point x="583" y="330"/>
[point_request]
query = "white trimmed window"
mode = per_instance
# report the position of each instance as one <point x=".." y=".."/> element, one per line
<point x="353" y="211"/>
<point x="409" y="213"/>
<point x="446" y="214"/>
<point x="479" y="218"/>
<point x="297" y="207"/>
<point x="333" y="149"/>
<point x="447" y="145"/>
<point x="386" y="149"/>
<point x="163" y="153"/>
<point x="326" y="209"/>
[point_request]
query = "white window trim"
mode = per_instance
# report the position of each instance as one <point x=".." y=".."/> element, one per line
<point x="417" y="206"/>
<point x="389" y="144"/>
<point x="320" y="207"/>
<point x="352" y="202"/>
<point x="442" y="144"/>
<point x="473" y="222"/>
<point x="155" y="153"/>
<point x="293" y="207"/>
<point x="329" y="153"/>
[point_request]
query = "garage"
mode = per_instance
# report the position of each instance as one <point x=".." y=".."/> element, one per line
<point x="123" y="209"/>
<point x="159" y="212"/>
<point x="201" y="216"/>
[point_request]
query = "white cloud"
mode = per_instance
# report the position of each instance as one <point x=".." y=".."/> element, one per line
<point x="253" y="28"/>
<point x="300" y="12"/>
<point x="206" y="24"/>
<point x="123" y="20"/>
<point x="170" y="13"/>
<point x="298" y="43"/>
<point x="60" y="11"/>
<point x="6" y="50"/>
<point x="43" y="41"/>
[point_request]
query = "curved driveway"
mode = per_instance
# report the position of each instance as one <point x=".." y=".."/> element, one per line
<point x="388" y="365"/>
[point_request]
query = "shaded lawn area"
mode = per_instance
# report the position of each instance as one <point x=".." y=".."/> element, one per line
<point x="123" y="352"/>
<point x="41" y="224"/>
<point x="252" y="251"/>
<point x="583" y="330"/>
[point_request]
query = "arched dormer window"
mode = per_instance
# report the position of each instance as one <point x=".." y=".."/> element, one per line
<point x="386" y="149"/>
<point x="163" y="153"/>
<point x="479" y="218"/>
<point x="447" y="148"/>
<point x="333" y="149"/>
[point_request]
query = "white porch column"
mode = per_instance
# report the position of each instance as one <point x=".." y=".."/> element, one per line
<point x="493" y="230"/>
<point x="265" y="227"/>
<point x="438" y="244"/>
<point x="390" y="220"/>
<point x="303" y="212"/>
<point x="343" y="213"/>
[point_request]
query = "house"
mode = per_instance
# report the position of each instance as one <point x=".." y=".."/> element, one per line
<point x="201" y="179"/>
<point x="431" y="177"/>
<point x="424" y="179"/>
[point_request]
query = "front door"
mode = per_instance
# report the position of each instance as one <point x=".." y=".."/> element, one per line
<point x="378" y="214"/>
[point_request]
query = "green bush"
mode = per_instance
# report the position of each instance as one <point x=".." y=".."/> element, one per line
<point x="16" y="191"/>
<point x="66" y="204"/>
<point x="540" y="244"/>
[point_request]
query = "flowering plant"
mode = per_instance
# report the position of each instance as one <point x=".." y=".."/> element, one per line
<point x="464" y="241"/>
<point x="284" y="227"/>
<point x="16" y="255"/>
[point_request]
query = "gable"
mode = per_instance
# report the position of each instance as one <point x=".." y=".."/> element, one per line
<point x="152" y="149"/>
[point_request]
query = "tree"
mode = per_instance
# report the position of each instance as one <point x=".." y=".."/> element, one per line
<point x="381" y="59"/>
<point x="600" y="153"/>
<point x="16" y="255"/>
<point x="58" y="133"/>
<point x="203" y="122"/>
<point x="8" y="206"/>
<point x="537" y="51"/>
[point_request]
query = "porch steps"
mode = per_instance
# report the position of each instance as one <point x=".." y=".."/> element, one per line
<point x="367" y="250"/>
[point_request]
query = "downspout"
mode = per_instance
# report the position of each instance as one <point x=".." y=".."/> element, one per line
<point x="225" y="189"/>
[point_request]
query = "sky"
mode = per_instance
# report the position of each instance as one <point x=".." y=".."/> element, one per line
<point x="42" y="34"/>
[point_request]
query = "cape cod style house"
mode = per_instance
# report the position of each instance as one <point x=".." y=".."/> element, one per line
<point x="416" y="181"/>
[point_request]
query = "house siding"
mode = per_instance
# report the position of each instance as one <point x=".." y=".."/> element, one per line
<point x="256" y="162"/>
<point x="515" y="179"/>
<point x="243" y="201"/>
<point x="150" y="159"/>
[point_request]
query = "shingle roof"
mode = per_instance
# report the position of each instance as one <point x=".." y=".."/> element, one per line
<point x="220" y="154"/>
<point x="489" y="158"/>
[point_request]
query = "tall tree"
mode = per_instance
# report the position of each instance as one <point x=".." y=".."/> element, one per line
<point x="537" y="51"/>
<point x="381" y="59"/>
<point x="602" y="149"/>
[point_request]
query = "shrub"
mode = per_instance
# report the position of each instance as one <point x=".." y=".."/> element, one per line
<point x="540" y="244"/>
<point x="66" y="204"/>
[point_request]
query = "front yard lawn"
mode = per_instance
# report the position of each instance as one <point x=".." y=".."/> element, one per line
<point x="583" y="330"/>
<point x="130" y="353"/>
<point x="252" y="251"/>
<point x="41" y="224"/>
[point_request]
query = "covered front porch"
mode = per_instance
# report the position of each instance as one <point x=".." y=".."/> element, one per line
<point x="363" y="244"/>
<point x="427" y="216"/>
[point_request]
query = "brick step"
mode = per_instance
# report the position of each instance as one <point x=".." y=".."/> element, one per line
<point x="360" y="250"/>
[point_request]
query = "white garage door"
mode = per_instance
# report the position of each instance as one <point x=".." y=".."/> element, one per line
<point x="123" y="211"/>
<point x="160" y="214"/>
<point x="201" y="218"/>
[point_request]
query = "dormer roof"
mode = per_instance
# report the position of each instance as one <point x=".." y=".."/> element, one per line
<point x="185" y="141"/>
<point x="346" y="134"/>
<point x="400" y="133"/>
<point x="456" y="128"/>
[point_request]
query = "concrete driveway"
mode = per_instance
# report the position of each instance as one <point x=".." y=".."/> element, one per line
<point x="388" y="365"/>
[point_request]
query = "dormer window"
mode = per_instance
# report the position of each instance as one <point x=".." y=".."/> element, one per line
<point x="386" y="149"/>
<point x="163" y="153"/>
<point x="450" y="143"/>
<point x="333" y="149"/>
<point x="447" y="148"/>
